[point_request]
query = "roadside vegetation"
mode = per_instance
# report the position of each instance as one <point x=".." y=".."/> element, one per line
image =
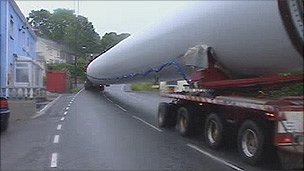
<point x="295" y="89"/>
<point x="144" y="87"/>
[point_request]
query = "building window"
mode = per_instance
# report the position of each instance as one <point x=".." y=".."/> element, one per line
<point x="22" y="72"/>
<point x="38" y="76"/>
<point x="11" y="29"/>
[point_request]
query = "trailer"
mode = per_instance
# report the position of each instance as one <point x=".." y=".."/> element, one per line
<point x="232" y="58"/>
<point x="256" y="121"/>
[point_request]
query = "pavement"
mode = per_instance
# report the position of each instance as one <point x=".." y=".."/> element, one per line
<point x="26" y="143"/>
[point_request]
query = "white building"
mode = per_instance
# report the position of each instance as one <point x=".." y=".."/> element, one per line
<point x="52" y="52"/>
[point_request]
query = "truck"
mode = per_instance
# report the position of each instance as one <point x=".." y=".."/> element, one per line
<point x="234" y="60"/>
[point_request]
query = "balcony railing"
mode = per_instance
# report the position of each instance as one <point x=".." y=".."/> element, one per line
<point x="24" y="93"/>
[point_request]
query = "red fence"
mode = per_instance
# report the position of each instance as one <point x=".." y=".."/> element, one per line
<point x="57" y="81"/>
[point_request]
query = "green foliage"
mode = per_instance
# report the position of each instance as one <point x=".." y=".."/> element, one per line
<point x="291" y="90"/>
<point x="75" y="32"/>
<point x="63" y="26"/>
<point x="143" y="87"/>
<point x="111" y="39"/>
<point x="40" y="21"/>
<point x="75" y="90"/>
<point x="73" y="70"/>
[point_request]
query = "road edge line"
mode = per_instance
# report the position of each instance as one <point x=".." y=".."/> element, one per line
<point x="43" y="110"/>
<point x="215" y="158"/>
<point x="152" y="126"/>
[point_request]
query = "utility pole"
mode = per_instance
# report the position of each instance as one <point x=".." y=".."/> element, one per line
<point x="76" y="37"/>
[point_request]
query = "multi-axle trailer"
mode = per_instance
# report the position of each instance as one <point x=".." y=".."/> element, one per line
<point x="232" y="54"/>
<point x="256" y="121"/>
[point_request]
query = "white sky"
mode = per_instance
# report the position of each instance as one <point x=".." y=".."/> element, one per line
<point x="106" y="16"/>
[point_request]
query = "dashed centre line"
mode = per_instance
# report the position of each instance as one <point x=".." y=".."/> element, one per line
<point x="154" y="127"/>
<point x="65" y="113"/>
<point x="56" y="139"/>
<point x="62" y="119"/>
<point x="215" y="158"/>
<point x="67" y="108"/>
<point x="54" y="160"/>
<point x="59" y="127"/>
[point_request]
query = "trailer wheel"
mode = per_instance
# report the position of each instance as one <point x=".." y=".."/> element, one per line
<point x="213" y="131"/>
<point x="86" y="86"/>
<point x="185" y="123"/>
<point x="166" y="115"/>
<point x="251" y="142"/>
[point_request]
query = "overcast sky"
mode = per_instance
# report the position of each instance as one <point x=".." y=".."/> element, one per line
<point x="107" y="16"/>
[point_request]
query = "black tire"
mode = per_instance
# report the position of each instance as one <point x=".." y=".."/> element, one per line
<point x="101" y="88"/>
<point x="166" y="115"/>
<point x="185" y="120"/>
<point x="4" y="125"/>
<point x="86" y="87"/>
<point x="251" y="142"/>
<point x="213" y="131"/>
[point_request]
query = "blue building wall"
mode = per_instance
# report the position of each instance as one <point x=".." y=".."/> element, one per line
<point x="17" y="39"/>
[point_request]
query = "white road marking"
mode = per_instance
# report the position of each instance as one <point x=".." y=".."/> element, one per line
<point x="62" y="119"/>
<point x="70" y="102"/>
<point x="109" y="99"/>
<point x="42" y="111"/>
<point x="67" y="108"/>
<point x="121" y="108"/>
<point x="65" y="113"/>
<point x="56" y="139"/>
<point x="214" y="157"/>
<point x="54" y="160"/>
<point x="59" y="127"/>
<point x="69" y="105"/>
<point x="78" y="93"/>
<point x="154" y="127"/>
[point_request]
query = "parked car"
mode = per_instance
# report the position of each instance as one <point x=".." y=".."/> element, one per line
<point x="4" y="113"/>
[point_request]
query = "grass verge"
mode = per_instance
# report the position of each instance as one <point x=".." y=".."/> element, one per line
<point x="143" y="87"/>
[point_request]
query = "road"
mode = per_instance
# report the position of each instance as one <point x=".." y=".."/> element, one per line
<point x="112" y="130"/>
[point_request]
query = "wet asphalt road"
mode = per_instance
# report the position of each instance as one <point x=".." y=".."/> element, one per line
<point x="113" y="130"/>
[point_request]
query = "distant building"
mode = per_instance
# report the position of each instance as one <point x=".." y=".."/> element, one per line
<point x="53" y="53"/>
<point x="19" y="65"/>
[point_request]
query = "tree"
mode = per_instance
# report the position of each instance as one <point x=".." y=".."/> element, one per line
<point x="64" y="27"/>
<point x="109" y="40"/>
<point x="40" y="22"/>
<point x="71" y="69"/>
